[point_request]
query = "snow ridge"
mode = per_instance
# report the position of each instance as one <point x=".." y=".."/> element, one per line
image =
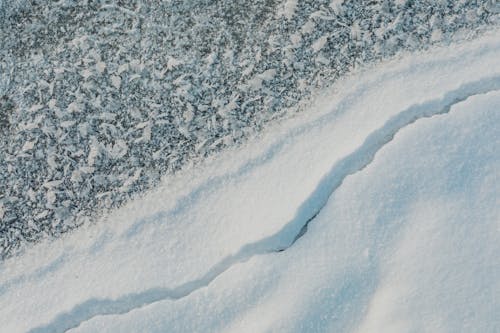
<point x="293" y="230"/>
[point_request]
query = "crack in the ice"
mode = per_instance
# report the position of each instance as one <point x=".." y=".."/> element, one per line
<point x="187" y="201"/>
<point x="292" y="231"/>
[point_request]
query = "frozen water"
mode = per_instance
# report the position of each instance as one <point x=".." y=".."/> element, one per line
<point x="108" y="96"/>
<point x="376" y="210"/>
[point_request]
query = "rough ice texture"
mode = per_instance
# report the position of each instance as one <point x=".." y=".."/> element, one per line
<point x="376" y="211"/>
<point x="99" y="99"/>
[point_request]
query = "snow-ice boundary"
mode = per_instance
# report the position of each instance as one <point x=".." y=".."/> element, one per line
<point x="355" y="160"/>
<point x="292" y="231"/>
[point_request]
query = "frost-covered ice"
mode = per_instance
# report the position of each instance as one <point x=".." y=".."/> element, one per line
<point x="378" y="210"/>
<point x="98" y="99"/>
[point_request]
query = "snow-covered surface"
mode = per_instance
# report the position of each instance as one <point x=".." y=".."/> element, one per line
<point x="376" y="211"/>
<point x="99" y="99"/>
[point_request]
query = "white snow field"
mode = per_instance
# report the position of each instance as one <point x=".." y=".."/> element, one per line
<point x="376" y="211"/>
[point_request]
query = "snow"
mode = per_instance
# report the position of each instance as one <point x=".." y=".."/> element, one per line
<point x="76" y="76"/>
<point x="376" y="211"/>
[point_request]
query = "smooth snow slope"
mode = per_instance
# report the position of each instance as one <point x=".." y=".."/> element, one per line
<point x="377" y="211"/>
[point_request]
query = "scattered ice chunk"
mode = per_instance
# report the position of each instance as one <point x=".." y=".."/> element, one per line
<point x="436" y="35"/>
<point x="32" y="225"/>
<point x="119" y="149"/>
<point x="107" y="116"/>
<point x="256" y="82"/>
<point x="28" y="145"/>
<point x="296" y="39"/>
<point x="36" y="107"/>
<point x="76" y="176"/>
<point x="189" y="113"/>
<point x="87" y="169"/>
<point x="142" y="125"/>
<point x="83" y="129"/>
<point x="73" y="107"/>
<point x="52" y="103"/>
<point x="319" y="43"/>
<point x="131" y="180"/>
<point x="122" y="68"/>
<point x="31" y="195"/>
<point x="86" y="73"/>
<point x="355" y="31"/>
<point x="93" y="153"/>
<point x="136" y="65"/>
<point x="157" y="154"/>
<point x="308" y="27"/>
<point x="116" y="81"/>
<point x="146" y="134"/>
<point x="289" y="8"/>
<point x="268" y="74"/>
<point x="42" y="215"/>
<point x="51" y="197"/>
<point x="336" y="5"/>
<point x="59" y="70"/>
<point x="52" y="184"/>
<point x="100" y="66"/>
<point x="68" y="123"/>
<point x="134" y="77"/>
<point x="51" y="161"/>
<point x="173" y="63"/>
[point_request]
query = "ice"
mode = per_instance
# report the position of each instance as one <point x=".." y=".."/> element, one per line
<point x="375" y="211"/>
<point x="319" y="44"/>
<point x="116" y="81"/>
<point x="206" y="75"/>
<point x="289" y="8"/>
<point x="28" y="145"/>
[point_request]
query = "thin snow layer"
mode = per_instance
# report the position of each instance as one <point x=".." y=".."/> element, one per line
<point x="376" y="211"/>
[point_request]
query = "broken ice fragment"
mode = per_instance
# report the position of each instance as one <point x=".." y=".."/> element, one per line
<point x="319" y="43"/>
<point x="76" y="176"/>
<point x="289" y="8"/>
<point x="52" y="184"/>
<point x="116" y="81"/>
<point x="83" y="129"/>
<point x="66" y="124"/>
<point x="93" y="153"/>
<point x="122" y="68"/>
<point x="51" y="197"/>
<point x="86" y="73"/>
<point x="52" y="103"/>
<point x="133" y="179"/>
<point x="101" y="67"/>
<point x="173" y="63"/>
<point x="146" y="134"/>
<point x="73" y="107"/>
<point x="189" y="113"/>
<point x="36" y="107"/>
<point x="28" y="145"/>
<point x="119" y="149"/>
<point x="436" y="35"/>
<point x="41" y="215"/>
<point x="142" y="125"/>
<point x="336" y="5"/>
<point x="107" y="116"/>
<point x="51" y="161"/>
<point x="31" y="195"/>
